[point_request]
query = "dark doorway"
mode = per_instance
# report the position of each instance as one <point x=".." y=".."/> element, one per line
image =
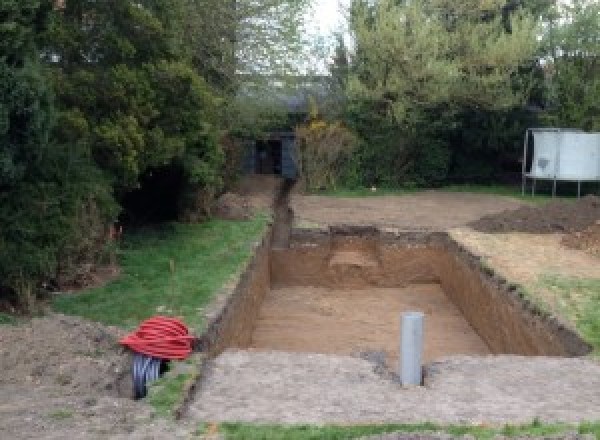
<point x="268" y="157"/>
<point x="157" y="198"/>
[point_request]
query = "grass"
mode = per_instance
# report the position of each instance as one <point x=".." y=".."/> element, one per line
<point x="6" y="319"/>
<point x="174" y="270"/>
<point x="61" y="414"/>
<point x="500" y="190"/>
<point x="235" y="431"/>
<point x="165" y="393"/>
<point x="579" y="302"/>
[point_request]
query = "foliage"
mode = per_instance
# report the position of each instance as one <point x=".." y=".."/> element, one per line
<point x="323" y="149"/>
<point x="425" y="53"/>
<point x="435" y="89"/>
<point x="121" y="101"/>
<point x="47" y="190"/>
<point x="173" y="270"/>
<point x="573" y="66"/>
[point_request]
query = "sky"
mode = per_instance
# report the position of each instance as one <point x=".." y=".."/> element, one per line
<point x="325" y="18"/>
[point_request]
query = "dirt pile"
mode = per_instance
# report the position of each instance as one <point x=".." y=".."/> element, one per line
<point x="232" y="206"/>
<point x="57" y="350"/>
<point x="553" y="217"/>
<point x="587" y="240"/>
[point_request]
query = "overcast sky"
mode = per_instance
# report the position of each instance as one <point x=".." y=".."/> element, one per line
<point x="325" y="18"/>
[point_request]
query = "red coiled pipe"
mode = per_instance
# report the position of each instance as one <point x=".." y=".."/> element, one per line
<point x="162" y="338"/>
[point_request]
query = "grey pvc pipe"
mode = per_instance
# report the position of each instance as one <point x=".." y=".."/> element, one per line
<point x="411" y="348"/>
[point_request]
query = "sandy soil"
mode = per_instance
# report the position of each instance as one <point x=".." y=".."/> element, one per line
<point x="429" y="210"/>
<point x="350" y="322"/>
<point x="279" y="387"/>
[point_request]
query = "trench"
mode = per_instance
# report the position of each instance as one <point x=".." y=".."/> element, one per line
<point x="342" y="291"/>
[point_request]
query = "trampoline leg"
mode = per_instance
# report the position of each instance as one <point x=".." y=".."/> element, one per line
<point x="523" y="180"/>
<point x="553" y="188"/>
<point x="579" y="189"/>
<point x="533" y="187"/>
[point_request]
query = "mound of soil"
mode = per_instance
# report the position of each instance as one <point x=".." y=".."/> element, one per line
<point x="232" y="206"/>
<point x="556" y="216"/>
<point x="587" y="240"/>
<point x="77" y="355"/>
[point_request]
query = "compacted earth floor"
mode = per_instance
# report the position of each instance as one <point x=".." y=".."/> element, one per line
<point x="426" y="211"/>
<point x="361" y="322"/>
<point x="280" y="387"/>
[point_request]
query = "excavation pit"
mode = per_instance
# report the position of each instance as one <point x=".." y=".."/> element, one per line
<point x="342" y="292"/>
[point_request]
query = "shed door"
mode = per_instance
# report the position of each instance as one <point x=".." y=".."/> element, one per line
<point x="289" y="169"/>
<point x="249" y="158"/>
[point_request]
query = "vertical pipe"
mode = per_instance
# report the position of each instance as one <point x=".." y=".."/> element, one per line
<point x="524" y="164"/>
<point x="411" y="348"/>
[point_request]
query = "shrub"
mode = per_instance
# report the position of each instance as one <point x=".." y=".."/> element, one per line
<point x="324" y="148"/>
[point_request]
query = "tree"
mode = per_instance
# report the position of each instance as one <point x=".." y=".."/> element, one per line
<point x="422" y="53"/>
<point x="54" y="204"/>
<point x="128" y="94"/>
<point x="572" y="65"/>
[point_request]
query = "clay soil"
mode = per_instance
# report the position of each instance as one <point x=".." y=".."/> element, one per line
<point x="556" y="216"/>
<point x="361" y="322"/>
<point x="427" y="211"/>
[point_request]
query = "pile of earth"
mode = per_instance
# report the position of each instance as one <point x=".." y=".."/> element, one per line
<point x="232" y="206"/>
<point x="558" y="216"/>
<point x="587" y="240"/>
<point x="77" y="355"/>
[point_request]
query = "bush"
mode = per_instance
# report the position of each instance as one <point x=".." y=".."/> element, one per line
<point x="323" y="148"/>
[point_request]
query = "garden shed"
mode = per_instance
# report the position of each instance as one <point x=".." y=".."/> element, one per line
<point x="273" y="154"/>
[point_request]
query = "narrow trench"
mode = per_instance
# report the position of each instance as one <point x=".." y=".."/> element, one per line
<point x="284" y="216"/>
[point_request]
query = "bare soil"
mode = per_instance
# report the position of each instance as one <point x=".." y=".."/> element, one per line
<point x="587" y="240"/>
<point x="253" y="193"/>
<point x="66" y="351"/>
<point x="556" y="216"/>
<point x="279" y="387"/>
<point x="426" y="211"/>
<point x="63" y="377"/>
<point x="525" y="258"/>
<point x="350" y="322"/>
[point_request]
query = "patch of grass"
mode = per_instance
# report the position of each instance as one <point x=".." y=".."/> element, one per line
<point x="578" y="301"/>
<point x="61" y="414"/>
<point x="174" y="270"/>
<point x="6" y="319"/>
<point x="165" y="393"/>
<point x="235" y="431"/>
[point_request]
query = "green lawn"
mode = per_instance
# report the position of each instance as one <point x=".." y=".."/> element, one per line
<point x="173" y="270"/>
<point x="579" y="302"/>
<point x="242" y="431"/>
<point x="7" y="319"/>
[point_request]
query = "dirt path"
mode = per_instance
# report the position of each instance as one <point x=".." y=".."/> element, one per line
<point x="353" y="321"/>
<point x="428" y="210"/>
<point x="279" y="387"/>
